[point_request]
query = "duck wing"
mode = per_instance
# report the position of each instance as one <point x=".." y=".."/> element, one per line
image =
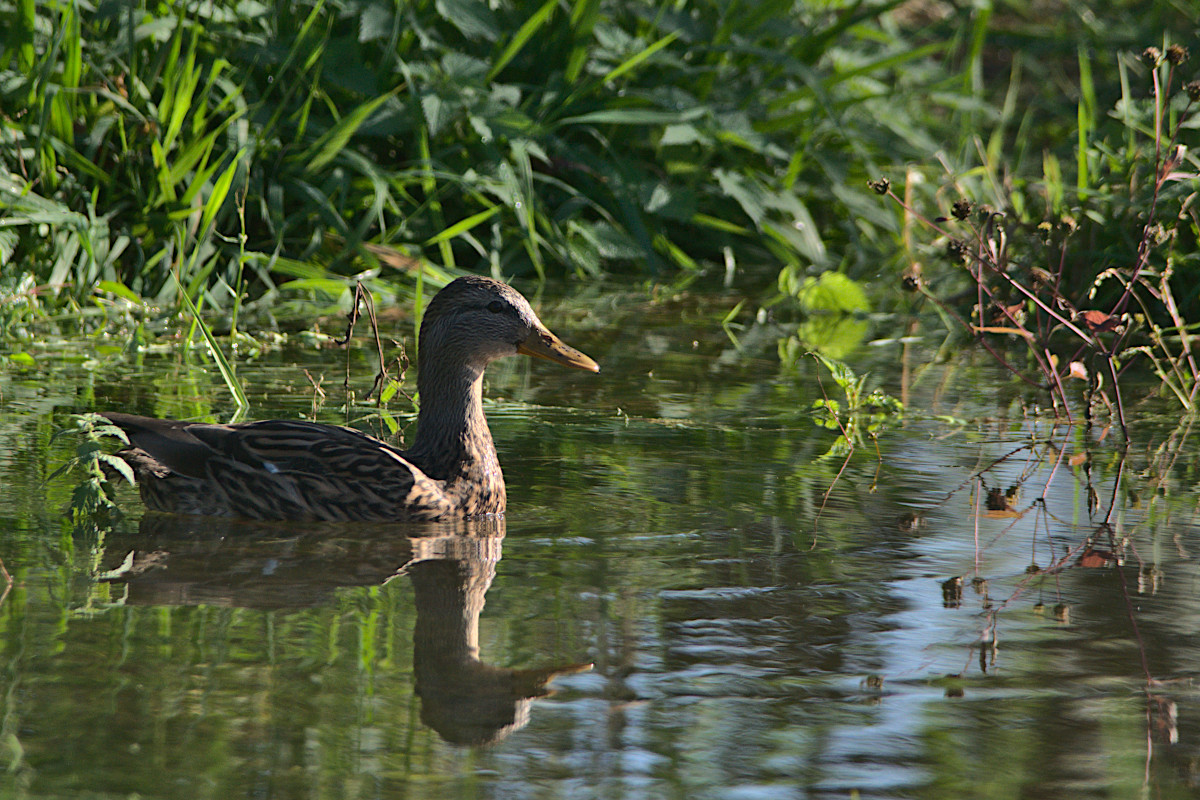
<point x="276" y="470"/>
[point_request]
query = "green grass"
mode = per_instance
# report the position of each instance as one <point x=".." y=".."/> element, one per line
<point x="231" y="162"/>
<point x="245" y="146"/>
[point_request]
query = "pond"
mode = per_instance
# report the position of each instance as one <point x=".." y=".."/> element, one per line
<point x="694" y="593"/>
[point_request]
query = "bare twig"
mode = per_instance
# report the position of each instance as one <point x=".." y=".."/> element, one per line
<point x="8" y="582"/>
<point x="363" y="298"/>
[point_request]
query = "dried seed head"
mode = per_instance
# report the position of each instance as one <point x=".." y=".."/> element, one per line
<point x="911" y="281"/>
<point x="880" y="185"/>
<point x="1177" y="54"/>
<point x="961" y="209"/>
<point x="1160" y="234"/>
<point x="1042" y="276"/>
<point x="1152" y="56"/>
<point x="957" y="250"/>
<point x="1193" y="90"/>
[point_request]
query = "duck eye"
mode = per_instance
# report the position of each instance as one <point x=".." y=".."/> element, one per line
<point x="495" y="307"/>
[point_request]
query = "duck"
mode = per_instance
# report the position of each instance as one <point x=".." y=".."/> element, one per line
<point x="297" y="470"/>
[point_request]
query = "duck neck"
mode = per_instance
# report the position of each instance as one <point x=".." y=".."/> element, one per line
<point x="453" y="441"/>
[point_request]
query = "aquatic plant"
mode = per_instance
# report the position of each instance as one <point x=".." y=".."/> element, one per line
<point x="860" y="415"/>
<point x="91" y="495"/>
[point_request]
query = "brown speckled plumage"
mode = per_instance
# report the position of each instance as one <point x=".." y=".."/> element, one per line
<point x="292" y="470"/>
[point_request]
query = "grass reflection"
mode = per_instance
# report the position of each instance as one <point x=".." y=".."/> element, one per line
<point x="900" y="644"/>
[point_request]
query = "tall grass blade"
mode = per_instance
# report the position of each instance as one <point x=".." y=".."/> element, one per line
<point x="640" y="57"/>
<point x="430" y="188"/>
<point x="187" y="78"/>
<point x="584" y="15"/>
<point x="219" y="192"/>
<point x="24" y="27"/>
<point x="522" y="37"/>
<point x="462" y="226"/>
<point x="334" y="140"/>
<point x="635" y="116"/>
<point x="1086" y="123"/>
<point x="214" y="348"/>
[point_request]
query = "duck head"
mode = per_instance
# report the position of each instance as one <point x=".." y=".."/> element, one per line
<point x="475" y="320"/>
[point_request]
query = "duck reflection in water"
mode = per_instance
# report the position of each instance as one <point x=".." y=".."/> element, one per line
<point x="181" y="560"/>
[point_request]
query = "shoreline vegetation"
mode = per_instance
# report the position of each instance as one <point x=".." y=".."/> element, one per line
<point x="235" y="166"/>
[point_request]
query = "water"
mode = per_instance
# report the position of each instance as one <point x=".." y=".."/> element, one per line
<point x="761" y="622"/>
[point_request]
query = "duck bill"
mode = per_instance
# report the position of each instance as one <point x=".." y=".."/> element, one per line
<point x="544" y="344"/>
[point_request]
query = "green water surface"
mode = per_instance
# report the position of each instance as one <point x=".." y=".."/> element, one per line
<point x="985" y="604"/>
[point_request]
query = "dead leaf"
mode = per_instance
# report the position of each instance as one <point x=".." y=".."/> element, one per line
<point x="1013" y="331"/>
<point x="1091" y="558"/>
<point x="1098" y="321"/>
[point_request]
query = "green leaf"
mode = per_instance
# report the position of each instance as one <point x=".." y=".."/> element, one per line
<point x="716" y="223"/>
<point x="389" y="391"/>
<point x="330" y="143"/>
<point x="837" y="336"/>
<point x="638" y="58"/>
<point x="163" y="171"/>
<point x="182" y="105"/>
<point x="88" y="450"/>
<point x="462" y="226"/>
<point x="329" y="286"/>
<point x="8" y="245"/>
<point x="475" y="20"/>
<point x="120" y="290"/>
<point x="431" y="110"/>
<point x="747" y="194"/>
<point x="680" y="135"/>
<point x="832" y="292"/>
<point x="219" y="192"/>
<point x="191" y="155"/>
<point x="634" y="116"/>
<point x="375" y="22"/>
<point x="522" y="37"/>
<point x="120" y="465"/>
<point x="300" y="269"/>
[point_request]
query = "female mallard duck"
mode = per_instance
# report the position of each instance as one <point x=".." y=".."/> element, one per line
<point x="290" y="470"/>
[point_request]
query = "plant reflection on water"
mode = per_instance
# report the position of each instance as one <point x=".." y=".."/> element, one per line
<point x="189" y="561"/>
<point x="947" y="598"/>
<point x="1113" y="499"/>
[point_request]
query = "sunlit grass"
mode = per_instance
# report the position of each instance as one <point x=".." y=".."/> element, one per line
<point x="256" y="160"/>
<point x="573" y="139"/>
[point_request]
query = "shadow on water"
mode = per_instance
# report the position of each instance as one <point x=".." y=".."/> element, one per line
<point x="191" y="561"/>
